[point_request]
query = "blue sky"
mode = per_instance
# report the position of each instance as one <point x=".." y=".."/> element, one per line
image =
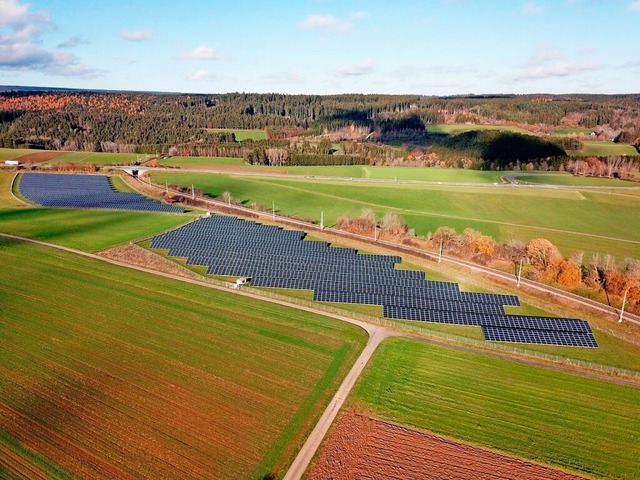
<point x="429" y="47"/>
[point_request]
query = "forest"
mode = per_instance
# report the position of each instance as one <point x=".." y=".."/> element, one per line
<point x="375" y="129"/>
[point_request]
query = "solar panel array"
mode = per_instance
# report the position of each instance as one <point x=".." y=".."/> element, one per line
<point x="273" y="257"/>
<point x="84" y="191"/>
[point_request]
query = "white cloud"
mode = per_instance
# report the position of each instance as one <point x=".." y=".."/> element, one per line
<point x="136" y="35"/>
<point x="20" y="44"/>
<point x="325" y="22"/>
<point x="357" y="69"/>
<point x="16" y="14"/>
<point x="200" y="53"/>
<point x="558" y="69"/>
<point x="531" y="8"/>
<point x="200" y="75"/>
<point x="72" y="42"/>
<point x="360" y="15"/>
<point x="635" y="6"/>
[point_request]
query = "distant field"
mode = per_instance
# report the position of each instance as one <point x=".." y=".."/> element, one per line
<point x="110" y="373"/>
<point x="572" y="131"/>
<point x="602" y="149"/>
<point x="568" y="217"/>
<point x="99" y="158"/>
<point x="241" y="134"/>
<point x="15" y="153"/>
<point x="574" y="180"/>
<point x="582" y="424"/>
<point x="401" y="173"/>
<point x="201" y="161"/>
<point x="450" y="128"/>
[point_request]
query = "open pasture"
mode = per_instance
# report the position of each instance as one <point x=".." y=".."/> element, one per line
<point x="111" y="373"/>
<point x="99" y="158"/>
<point x="201" y="162"/>
<point x="575" y="220"/>
<point x="567" y="179"/>
<point x="241" y="134"/>
<point x="586" y="425"/>
<point x="572" y="131"/>
<point x="453" y="128"/>
<point x="16" y="153"/>
<point x="89" y="230"/>
<point x="602" y="149"/>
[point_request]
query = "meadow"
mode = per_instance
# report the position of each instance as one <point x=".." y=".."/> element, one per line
<point x="582" y="424"/>
<point x="107" y="372"/>
<point x="602" y="149"/>
<point x="453" y="128"/>
<point x="201" y="161"/>
<point x="569" y="180"/>
<point x="589" y="221"/>
<point x="572" y="131"/>
<point x="241" y="134"/>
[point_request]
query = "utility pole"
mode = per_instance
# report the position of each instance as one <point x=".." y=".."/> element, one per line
<point x="440" y="256"/>
<point x="519" y="272"/>
<point x="193" y="192"/>
<point x="624" y="301"/>
<point x="321" y="220"/>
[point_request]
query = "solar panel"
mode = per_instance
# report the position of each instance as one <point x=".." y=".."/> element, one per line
<point x="544" y="337"/>
<point x="278" y="258"/>
<point x="84" y="191"/>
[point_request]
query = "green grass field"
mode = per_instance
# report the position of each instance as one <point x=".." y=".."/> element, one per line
<point x="567" y="179"/>
<point x="574" y="220"/>
<point x="110" y="372"/>
<point x="572" y="131"/>
<point x="602" y="149"/>
<point x="15" y="153"/>
<point x="241" y="134"/>
<point x="201" y="161"/>
<point x="88" y="230"/>
<point x="582" y="424"/>
<point x="452" y="128"/>
<point x="401" y="173"/>
<point x="99" y="158"/>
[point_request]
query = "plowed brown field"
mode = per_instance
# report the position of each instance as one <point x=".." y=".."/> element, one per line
<point x="39" y="157"/>
<point x="362" y="447"/>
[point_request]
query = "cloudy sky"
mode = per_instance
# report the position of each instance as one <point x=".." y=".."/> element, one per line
<point x="430" y="47"/>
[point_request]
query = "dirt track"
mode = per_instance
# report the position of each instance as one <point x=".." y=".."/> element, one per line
<point x="365" y="448"/>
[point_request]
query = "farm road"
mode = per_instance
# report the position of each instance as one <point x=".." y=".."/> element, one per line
<point x="377" y="334"/>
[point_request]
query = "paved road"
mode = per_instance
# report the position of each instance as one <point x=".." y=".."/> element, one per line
<point x="308" y="450"/>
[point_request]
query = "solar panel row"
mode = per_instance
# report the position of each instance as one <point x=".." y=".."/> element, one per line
<point x="480" y="319"/>
<point x="84" y="191"/>
<point x="279" y="258"/>
<point x="546" y="337"/>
